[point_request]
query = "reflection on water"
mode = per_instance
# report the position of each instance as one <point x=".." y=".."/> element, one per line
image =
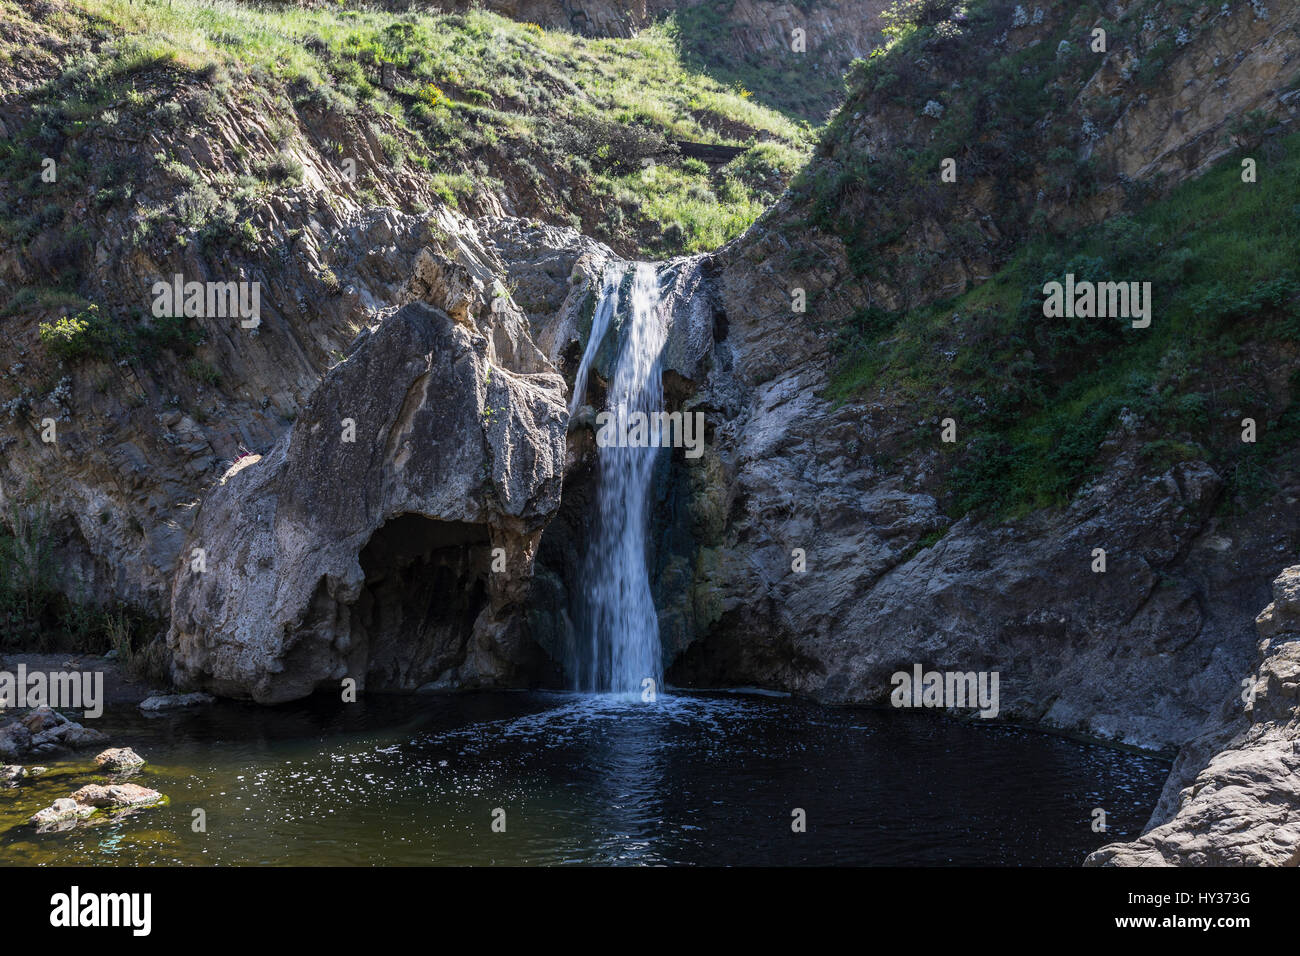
<point x="690" y="778"/>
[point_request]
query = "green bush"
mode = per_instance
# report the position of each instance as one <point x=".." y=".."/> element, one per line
<point x="82" y="335"/>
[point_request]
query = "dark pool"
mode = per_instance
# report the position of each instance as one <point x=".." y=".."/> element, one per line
<point x="691" y="778"/>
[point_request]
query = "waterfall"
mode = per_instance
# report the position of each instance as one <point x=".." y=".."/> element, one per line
<point x="622" y="639"/>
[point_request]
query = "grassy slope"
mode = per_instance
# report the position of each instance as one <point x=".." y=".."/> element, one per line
<point x="1036" y="397"/>
<point x="776" y="77"/>
<point x="566" y="122"/>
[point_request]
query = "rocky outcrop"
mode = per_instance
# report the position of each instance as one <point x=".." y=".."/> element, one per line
<point x="363" y="544"/>
<point x="1141" y="652"/>
<point x="1233" y="798"/>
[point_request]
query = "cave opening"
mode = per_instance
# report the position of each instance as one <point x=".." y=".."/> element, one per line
<point x="425" y="586"/>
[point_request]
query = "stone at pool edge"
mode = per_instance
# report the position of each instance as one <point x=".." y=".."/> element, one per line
<point x="45" y="731"/>
<point x="119" y="758"/>
<point x="160" y="702"/>
<point x="11" y="774"/>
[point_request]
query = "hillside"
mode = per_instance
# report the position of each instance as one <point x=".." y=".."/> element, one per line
<point x="484" y="113"/>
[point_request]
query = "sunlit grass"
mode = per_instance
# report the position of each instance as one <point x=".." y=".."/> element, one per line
<point x="479" y="82"/>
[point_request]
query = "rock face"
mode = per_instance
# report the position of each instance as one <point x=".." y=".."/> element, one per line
<point x="1141" y="653"/>
<point x="1241" y="805"/>
<point x="363" y="544"/>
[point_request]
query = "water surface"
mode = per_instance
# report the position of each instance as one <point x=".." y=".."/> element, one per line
<point x="690" y="778"/>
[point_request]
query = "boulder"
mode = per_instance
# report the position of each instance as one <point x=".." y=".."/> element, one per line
<point x="15" y="740"/>
<point x="62" y="811"/>
<point x="119" y="758"/>
<point x="67" y="735"/>
<point x="66" y="812"/>
<point x="115" y="796"/>
<point x="361" y="545"/>
<point x="43" y="719"/>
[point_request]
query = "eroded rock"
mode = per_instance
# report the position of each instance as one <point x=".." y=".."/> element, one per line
<point x="369" y="558"/>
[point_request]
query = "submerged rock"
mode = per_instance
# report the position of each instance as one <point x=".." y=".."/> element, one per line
<point x="1233" y="797"/>
<point x="119" y="758"/>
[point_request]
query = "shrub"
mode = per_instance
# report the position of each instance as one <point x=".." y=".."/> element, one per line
<point x="79" y="336"/>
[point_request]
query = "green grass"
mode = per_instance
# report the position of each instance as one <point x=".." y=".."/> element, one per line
<point x="1035" y="397"/>
<point x="482" y="104"/>
<point x="777" y="78"/>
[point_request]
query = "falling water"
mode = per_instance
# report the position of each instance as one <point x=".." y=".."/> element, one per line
<point x="623" y="631"/>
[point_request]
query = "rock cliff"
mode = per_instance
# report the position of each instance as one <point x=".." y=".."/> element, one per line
<point x="1233" y="798"/>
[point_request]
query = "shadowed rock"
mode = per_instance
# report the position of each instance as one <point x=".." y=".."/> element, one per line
<point x="1242" y="808"/>
<point x="372" y="559"/>
<point x="162" y="702"/>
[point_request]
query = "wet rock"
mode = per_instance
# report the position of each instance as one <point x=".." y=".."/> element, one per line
<point x="67" y="812"/>
<point x="11" y="775"/>
<point x="63" y="811"/>
<point x="161" y="702"/>
<point x="116" y="796"/>
<point x="119" y="758"/>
